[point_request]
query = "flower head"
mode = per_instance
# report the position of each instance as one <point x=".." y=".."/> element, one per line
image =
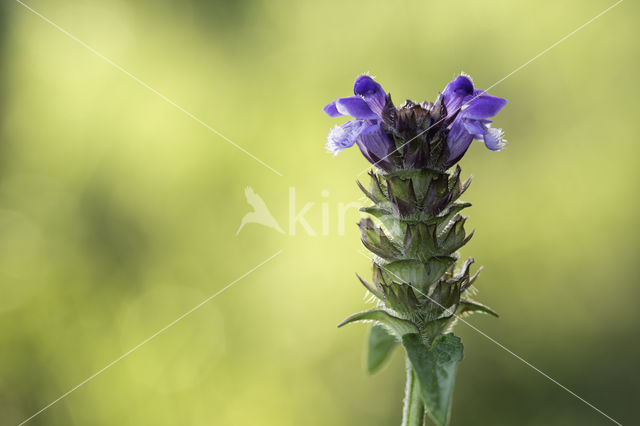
<point x="436" y="135"/>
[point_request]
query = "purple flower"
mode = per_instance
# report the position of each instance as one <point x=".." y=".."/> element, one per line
<point x="375" y="146"/>
<point x="470" y="109"/>
<point x="366" y="108"/>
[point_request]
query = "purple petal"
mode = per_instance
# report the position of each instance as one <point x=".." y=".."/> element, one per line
<point x="455" y="93"/>
<point x="372" y="93"/>
<point x="458" y="141"/>
<point x="331" y="110"/>
<point x="375" y="146"/>
<point x="483" y="107"/>
<point x="342" y="137"/>
<point x="462" y="85"/>
<point x="493" y="139"/>
<point x="356" y="107"/>
<point x="476" y="127"/>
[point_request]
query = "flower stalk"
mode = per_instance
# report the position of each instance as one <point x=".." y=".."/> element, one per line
<point x="413" y="412"/>
<point x="414" y="228"/>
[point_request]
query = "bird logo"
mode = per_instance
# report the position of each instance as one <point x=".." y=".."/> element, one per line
<point x="260" y="214"/>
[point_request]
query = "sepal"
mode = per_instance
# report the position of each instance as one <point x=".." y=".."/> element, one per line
<point x="444" y="296"/>
<point x="398" y="296"/>
<point x="390" y="222"/>
<point x="402" y="196"/>
<point x="453" y="235"/>
<point x="416" y="273"/>
<point x="421" y="241"/>
<point x="368" y="193"/>
<point x="401" y="298"/>
<point x="374" y="239"/>
<point x="424" y="240"/>
<point x="389" y="112"/>
<point x="463" y="276"/>
<point x="456" y="185"/>
<point x="375" y="290"/>
<point x="437" y="195"/>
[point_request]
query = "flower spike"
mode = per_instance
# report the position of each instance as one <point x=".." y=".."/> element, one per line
<point x="418" y="228"/>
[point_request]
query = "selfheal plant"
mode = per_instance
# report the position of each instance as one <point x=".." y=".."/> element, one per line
<point x="417" y="228"/>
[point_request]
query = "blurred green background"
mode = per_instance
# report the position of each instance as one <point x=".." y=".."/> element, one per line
<point x="118" y="212"/>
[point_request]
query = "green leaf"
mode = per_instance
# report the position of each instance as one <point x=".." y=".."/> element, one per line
<point x="380" y="346"/>
<point x="467" y="306"/>
<point x="398" y="327"/>
<point x="435" y="367"/>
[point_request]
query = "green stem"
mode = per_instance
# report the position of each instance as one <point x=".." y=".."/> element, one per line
<point x="413" y="412"/>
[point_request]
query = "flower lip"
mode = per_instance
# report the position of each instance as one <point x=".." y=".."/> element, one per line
<point x="342" y="137"/>
<point x="494" y="139"/>
<point x="371" y="92"/>
<point x="355" y="107"/>
<point x="462" y="85"/>
<point x="331" y="110"/>
<point x="483" y="106"/>
<point x="366" y="86"/>
<point x="456" y="93"/>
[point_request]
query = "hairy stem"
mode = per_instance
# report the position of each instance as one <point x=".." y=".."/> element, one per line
<point x="413" y="412"/>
